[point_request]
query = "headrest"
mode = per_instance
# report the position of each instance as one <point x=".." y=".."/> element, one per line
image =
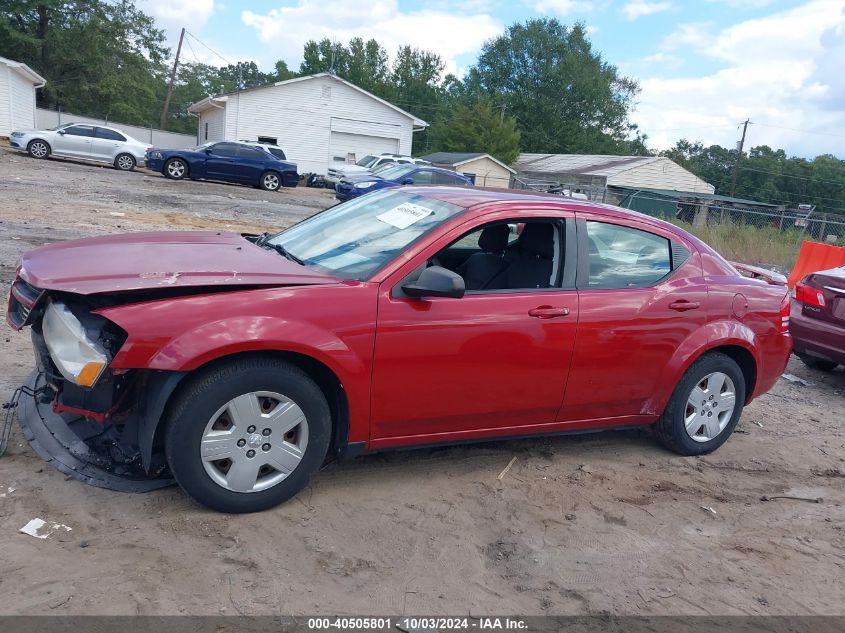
<point x="494" y="239"/>
<point x="538" y="238"/>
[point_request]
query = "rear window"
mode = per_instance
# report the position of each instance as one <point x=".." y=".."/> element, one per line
<point x="278" y="153"/>
<point x="624" y="257"/>
<point x="110" y="135"/>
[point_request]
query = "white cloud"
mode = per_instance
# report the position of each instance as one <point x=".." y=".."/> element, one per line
<point x="286" y="29"/>
<point x="781" y="71"/>
<point x="665" y="59"/>
<point x="640" y="8"/>
<point x="191" y="14"/>
<point x="562" y="7"/>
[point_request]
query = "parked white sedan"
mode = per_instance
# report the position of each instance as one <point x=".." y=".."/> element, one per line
<point x="82" y="141"/>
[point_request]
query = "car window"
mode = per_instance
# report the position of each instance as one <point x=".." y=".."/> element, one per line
<point x="354" y="239"/>
<point x="422" y="177"/>
<point x="109" y="135"/>
<point x="368" y="161"/>
<point x="624" y="257"/>
<point x="446" y="179"/>
<point x="278" y="153"/>
<point x="396" y="172"/>
<point x="510" y="255"/>
<point x="224" y="149"/>
<point x="80" y="130"/>
<point x="250" y="152"/>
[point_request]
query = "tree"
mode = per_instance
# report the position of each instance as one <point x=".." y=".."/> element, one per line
<point x="283" y="73"/>
<point x="100" y="58"/>
<point x="564" y="96"/>
<point x="477" y="128"/>
<point x="244" y="75"/>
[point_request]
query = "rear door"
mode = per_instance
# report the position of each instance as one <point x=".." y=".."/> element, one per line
<point x="640" y="295"/>
<point x="74" y="141"/>
<point x="106" y="144"/>
<point x="251" y="163"/>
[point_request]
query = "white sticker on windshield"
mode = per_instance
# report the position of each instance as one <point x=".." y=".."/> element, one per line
<point x="404" y="215"/>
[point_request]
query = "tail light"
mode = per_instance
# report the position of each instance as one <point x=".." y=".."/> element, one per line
<point x="809" y="295"/>
<point x="784" y="314"/>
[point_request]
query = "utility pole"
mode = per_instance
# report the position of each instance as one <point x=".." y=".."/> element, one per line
<point x="739" y="157"/>
<point x="172" y="80"/>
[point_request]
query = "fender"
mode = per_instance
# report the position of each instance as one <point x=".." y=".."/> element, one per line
<point x="185" y="333"/>
<point x="714" y="334"/>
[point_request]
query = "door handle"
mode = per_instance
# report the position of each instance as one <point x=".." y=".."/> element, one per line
<point x="547" y="312"/>
<point x="682" y="305"/>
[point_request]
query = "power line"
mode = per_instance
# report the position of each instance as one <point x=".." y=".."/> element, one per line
<point x="199" y="41"/>
<point x="794" y="129"/>
<point x="778" y="173"/>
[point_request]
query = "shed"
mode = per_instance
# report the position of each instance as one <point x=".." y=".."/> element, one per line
<point x="317" y="120"/>
<point x="595" y="173"/>
<point x="486" y="170"/>
<point x="17" y="96"/>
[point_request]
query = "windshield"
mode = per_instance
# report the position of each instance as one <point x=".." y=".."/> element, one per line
<point x="396" y="171"/>
<point x="367" y="161"/>
<point x="354" y="239"/>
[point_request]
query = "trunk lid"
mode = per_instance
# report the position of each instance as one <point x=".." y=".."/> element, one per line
<point x="825" y="291"/>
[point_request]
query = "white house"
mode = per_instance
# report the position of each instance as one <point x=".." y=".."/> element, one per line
<point x="598" y="171"/>
<point x="316" y="120"/>
<point x="17" y="96"/>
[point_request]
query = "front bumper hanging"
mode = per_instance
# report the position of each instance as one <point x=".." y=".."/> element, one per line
<point x="74" y="445"/>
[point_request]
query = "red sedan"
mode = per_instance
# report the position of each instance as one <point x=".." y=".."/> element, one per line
<point x="239" y="364"/>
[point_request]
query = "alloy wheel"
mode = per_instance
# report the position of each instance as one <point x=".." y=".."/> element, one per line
<point x="254" y="441"/>
<point x="176" y="168"/>
<point x="710" y="407"/>
<point x="271" y="182"/>
<point x="125" y="162"/>
<point x="38" y="149"/>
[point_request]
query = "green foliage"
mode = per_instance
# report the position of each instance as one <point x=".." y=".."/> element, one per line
<point x="477" y="128"/>
<point x="101" y="58"/>
<point x="767" y="175"/>
<point x="565" y="97"/>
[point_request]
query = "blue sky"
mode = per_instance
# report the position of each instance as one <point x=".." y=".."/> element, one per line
<point x="704" y="65"/>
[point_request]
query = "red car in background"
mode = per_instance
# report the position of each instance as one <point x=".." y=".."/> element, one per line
<point x="817" y="319"/>
<point x="407" y="317"/>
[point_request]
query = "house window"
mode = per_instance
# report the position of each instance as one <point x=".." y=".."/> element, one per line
<point x="206" y="131"/>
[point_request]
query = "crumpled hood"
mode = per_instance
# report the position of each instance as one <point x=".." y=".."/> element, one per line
<point x="168" y="259"/>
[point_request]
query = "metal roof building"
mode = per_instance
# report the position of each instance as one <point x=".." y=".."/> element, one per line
<point x="597" y="171"/>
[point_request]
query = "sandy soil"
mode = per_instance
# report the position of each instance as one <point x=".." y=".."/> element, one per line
<point x="604" y="523"/>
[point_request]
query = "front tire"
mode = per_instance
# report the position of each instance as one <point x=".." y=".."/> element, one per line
<point x="247" y="435"/>
<point x="176" y="169"/>
<point x="124" y="162"/>
<point x="270" y="181"/>
<point x="38" y="148"/>
<point x="704" y="408"/>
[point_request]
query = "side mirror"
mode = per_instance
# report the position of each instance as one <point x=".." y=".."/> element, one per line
<point x="208" y="151"/>
<point x="62" y="132"/>
<point x="436" y="282"/>
<point x="407" y="181"/>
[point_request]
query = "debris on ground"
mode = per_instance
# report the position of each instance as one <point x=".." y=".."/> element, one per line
<point x="708" y="509"/>
<point x="39" y="528"/>
<point x="773" y="497"/>
<point x="796" y="380"/>
<point x="9" y="490"/>
<point x="507" y="468"/>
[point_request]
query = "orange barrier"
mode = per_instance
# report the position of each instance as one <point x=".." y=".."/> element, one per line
<point x="815" y="256"/>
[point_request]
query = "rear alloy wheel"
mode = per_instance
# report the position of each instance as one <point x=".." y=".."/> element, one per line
<point x="817" y="363"/>
<point x="38" y="149"/>
<point x="270" y="181"/>
<point x="176" y="169"/>
<point x="124" y="162"/>
<point x="247" y="435"/>
<point x="704" y="408"/>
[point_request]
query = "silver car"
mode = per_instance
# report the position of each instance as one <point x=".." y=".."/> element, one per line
<point x="82" y="141"/>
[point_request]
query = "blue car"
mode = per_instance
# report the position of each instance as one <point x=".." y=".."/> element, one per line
<point x="352" y="186"/>
<point x="242" y="163"/>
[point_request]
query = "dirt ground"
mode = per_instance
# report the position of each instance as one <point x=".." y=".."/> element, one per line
<point x="590" y="524"/>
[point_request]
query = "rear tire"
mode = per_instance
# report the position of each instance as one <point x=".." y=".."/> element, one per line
<point x="175" y="169"/>
<point x="817" y="363"/>
<point x="270" y="181"/>
<point x="697" y="419"/>
<point x="227" y="439"/>
<point x="38" y="148"/>
<point x="124" y="162"/>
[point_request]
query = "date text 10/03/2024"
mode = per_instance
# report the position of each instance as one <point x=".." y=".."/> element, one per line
<point x="408" y="623"/>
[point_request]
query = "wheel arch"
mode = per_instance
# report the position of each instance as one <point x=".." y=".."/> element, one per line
<point x="325" y="378"/>
<point x="172" y="158"/>
<point x="43" y="140"/>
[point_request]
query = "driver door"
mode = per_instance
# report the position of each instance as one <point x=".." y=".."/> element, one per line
<point x="491" y="363"/>
<point x="74" y="141"/>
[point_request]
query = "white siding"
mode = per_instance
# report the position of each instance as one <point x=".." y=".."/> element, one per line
<point x="487" y="173"/>
<point x="302" y="115"/>
<point x="5" y="101"/>
<point x="212" y="125"/>
<point x="661" y="174"/>
<point x="23" y="102"/>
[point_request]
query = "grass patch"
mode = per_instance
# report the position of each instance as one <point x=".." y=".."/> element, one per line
<point x="757" y="246"/>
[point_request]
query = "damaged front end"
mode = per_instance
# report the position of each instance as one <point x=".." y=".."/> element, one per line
<point x="90" y="422"/>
